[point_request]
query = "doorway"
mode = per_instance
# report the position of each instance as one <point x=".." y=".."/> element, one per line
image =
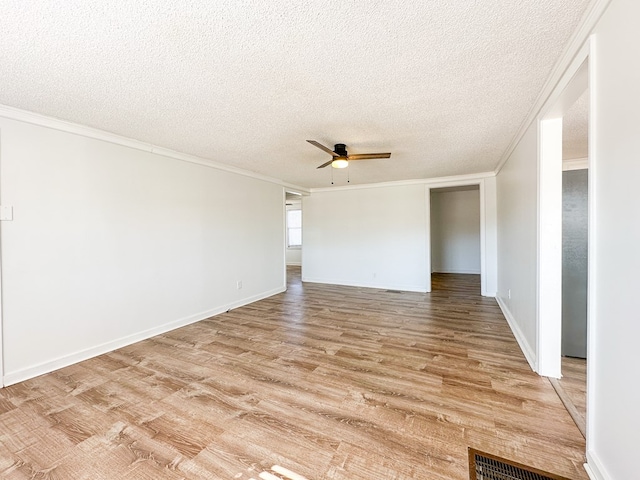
<point x="485" y="190"/>
<point x="575" y="237"/>
<point x="293" y="235"/>
<point x="455" y="230"/>
<point x="563" y="239"/>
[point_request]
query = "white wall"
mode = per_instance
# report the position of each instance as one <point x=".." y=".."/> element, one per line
<point x="293" y="256"/>
<point x="455" y="231"/>
<point x="613" y="418"/>
<point x="517" y="208"/>
<point x="373" y="237"/>
<point x="613" y="421"/>
<point x="378" y="235"/>
<point x="111" y="244"/>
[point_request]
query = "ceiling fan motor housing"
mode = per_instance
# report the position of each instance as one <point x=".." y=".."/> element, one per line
<point x="340" y="149"/>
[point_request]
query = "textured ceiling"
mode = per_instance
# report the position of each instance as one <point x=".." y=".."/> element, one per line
<point x="443" y="84"/>
<point x="575" y="129"/>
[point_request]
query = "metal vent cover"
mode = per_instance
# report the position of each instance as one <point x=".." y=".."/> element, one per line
<point x="484" y="466"/>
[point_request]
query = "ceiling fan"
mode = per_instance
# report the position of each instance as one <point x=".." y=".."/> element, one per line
<point x="341" y="157"/>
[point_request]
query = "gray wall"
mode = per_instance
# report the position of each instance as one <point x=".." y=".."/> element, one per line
<point x="574" y="262"/>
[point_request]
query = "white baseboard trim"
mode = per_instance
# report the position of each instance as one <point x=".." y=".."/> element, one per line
<point x="463" y="272"/>
<point x="380" y="286"/>
<point x="594" y="467"/>
<point x="66" y="360"/>
<point x="528" y="352"/>
<point x="294" y="264"/>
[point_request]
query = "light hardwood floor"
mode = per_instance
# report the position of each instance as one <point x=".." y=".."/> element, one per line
<point x="574" y="382"/>
<point x="329" y="382"/>
<point x="572" y="389"/>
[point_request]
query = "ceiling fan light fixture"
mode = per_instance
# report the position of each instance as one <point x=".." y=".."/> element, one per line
<point x="340" y="163"/>
<point x="340" y="158"/>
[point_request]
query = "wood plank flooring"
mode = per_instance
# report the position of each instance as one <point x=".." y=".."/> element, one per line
<point x="325" y="381"/>
<point x="572" y="389"/>
<point x="574" y="382"/>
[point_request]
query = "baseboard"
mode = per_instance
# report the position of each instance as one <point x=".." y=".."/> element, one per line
<point x="294" y="264"/>
<point x="528" y="352"/>
<point x="594" y="467"/>
<point x="463" y="272"/>
<point x="346" y="283"/>
<point x="66" y="360"/>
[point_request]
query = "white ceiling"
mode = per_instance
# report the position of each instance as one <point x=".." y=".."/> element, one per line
<point x="575" y="129"/>
<point x="442" y="84"/>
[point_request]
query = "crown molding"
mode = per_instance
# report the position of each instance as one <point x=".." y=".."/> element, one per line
<point x="575" y="164"/>
<point x="590" y="19"/>
<point x="455" y="180"/>
<point x="13" y="113"/>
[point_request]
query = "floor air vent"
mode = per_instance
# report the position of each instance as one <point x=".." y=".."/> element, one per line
<point x="483" y="466"/>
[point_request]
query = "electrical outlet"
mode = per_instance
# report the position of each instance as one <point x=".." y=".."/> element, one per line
<point x="239" y="284"/>
<point x="6" y="212"/>
<point x="509" y="294"/>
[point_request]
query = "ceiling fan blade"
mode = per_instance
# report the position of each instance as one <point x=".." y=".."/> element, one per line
<point x="322" y="147"/>
<point x="326" y="164"/>
<point x="368" y="156"/>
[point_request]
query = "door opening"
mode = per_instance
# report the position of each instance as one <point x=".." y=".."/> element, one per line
<point x="563" y="210"/>
<point x="293" y="235"/>
<point x="455" y="228"/>
<point x="575" y="239"/>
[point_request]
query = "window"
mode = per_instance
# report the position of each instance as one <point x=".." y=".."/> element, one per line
<point x="294" y="228"/>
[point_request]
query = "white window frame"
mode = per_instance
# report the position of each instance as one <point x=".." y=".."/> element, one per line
<point x="294" y="209"/>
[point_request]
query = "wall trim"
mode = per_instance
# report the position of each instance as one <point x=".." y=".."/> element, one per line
<point x="25" y="116"/>
<point x="50" y="366"/>
<point x="2" y="384"/>
<point x="549" y="248"/>
<point x="427" y="243"/>
<point x="96" y="134"/>
<point x="575" y="164"/>
<point x="593" y="320"/>
<point x="528" y="352"/>
<point x="451" y="181"/>
<point x="379" y="286"/>
<point x="483" y="240"/>
<point x="591" y="17"/>
<point x="594" y="467"/>
<point x="462" y="272"/>
<point x="294" y="264"/>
